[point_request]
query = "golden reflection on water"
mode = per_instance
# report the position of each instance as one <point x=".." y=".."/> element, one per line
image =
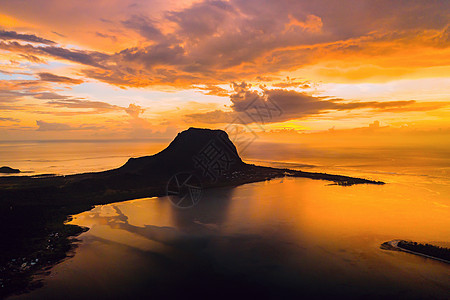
<point x="286" y="233"/>
<point x="311" y="207"/>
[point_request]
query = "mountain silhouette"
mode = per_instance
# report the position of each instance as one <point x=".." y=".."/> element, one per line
<point x="186" y="152"/>
<point x="207" y="154"/>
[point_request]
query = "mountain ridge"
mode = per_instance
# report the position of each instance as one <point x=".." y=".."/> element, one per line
<point x="208" y="154"/>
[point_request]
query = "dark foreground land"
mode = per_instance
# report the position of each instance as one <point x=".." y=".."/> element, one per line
<point x="33" y="209"/>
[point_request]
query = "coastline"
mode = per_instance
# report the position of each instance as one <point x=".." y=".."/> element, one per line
<point x="120" y="185"/>
<point x="18" y="274"/>
<point x="393" y="245"/>
<point x="35" y="242"/>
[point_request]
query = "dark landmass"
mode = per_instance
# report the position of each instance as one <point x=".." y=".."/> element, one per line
<point x="426" y="250"/>
<point x="33" y="209"/>
<point x="8" y="170"/>
<point x="148" y="176"/>
<point x="40" y="251"/>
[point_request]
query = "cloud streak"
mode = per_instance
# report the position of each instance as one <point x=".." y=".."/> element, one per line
<point x="50" y="126"/>
<point x="44" y="76"/>
<point x="2" y="119"/>
<point x="95" y="106"/>
<point x="89" y="58"/>
<point x="12" y="35"/>
<point x="280" y="105"/>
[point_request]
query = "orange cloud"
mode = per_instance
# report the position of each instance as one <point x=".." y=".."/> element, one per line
<point x="134" y="110"/>
<point x="221" y="41"/>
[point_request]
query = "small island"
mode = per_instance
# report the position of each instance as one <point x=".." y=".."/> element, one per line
<point x="9" y="170"/>
<point x="426" y="250"/>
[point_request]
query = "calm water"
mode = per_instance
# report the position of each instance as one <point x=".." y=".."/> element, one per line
<point x="278" y="238"/>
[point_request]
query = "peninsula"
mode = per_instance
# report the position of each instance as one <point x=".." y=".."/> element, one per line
<point x="441" y="254"/>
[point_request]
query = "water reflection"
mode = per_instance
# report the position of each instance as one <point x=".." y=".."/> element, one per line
<point x="211" y="212"/>
<point x="282" y="238"/>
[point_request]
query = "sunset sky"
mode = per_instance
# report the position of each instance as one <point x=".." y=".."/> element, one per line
<point x="144" y="69"/>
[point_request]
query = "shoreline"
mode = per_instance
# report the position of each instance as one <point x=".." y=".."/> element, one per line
<point x="24" y="273"/>
<point x="393" y="246"/>
<point x="119" y="184"/>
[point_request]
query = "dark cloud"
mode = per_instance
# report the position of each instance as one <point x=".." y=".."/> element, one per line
<point x="90" y="107"/>
<point x="48" y="126"/>
<point x="32" y="58"/>
<point x="98" y="106"/>
<point x="59" y="34"/>
<point x="12" y="35"/>
<point x="10" y="96"/>
<point x="279" y="105"/>
<point x="60" y="79"/>
<point x="148" y="57"/>
<point x="265" y="78"/>
<point x="202" y="19"/>
<point x="90" y="58"/>
<point x="9" y="120"/>
<point x="105" y="20"/>
<point x="145" y="27"/>
<point x="106" y="36"/>
<point x="49" y="96"/>
<point x="346" y="19"/>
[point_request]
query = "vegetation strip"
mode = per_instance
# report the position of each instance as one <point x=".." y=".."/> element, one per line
<point x="441" y="254"/>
